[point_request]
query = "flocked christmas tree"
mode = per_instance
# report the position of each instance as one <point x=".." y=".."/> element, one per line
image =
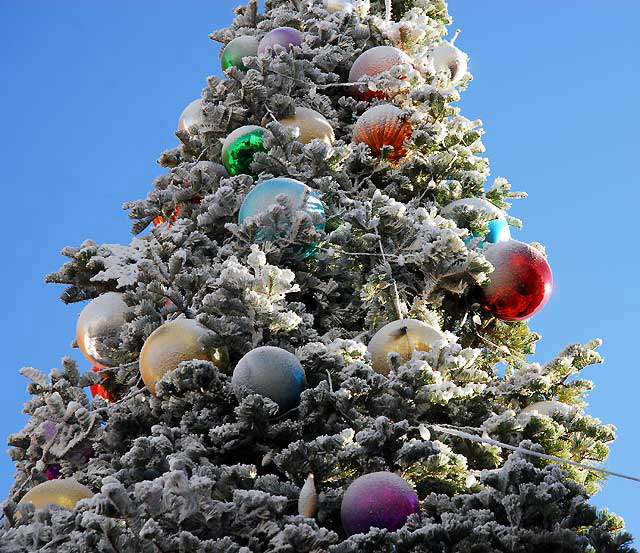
<point x="292" y="352"/>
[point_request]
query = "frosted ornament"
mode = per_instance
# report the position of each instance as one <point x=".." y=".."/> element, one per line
<point x="311" y="125"/>
<point x="372" y="63"/>
<point x="271" y="372"/>
<point x="172" y="343"/>
<point x="498" y="228"/>
<point x="547" y="409"/>
<point x="380" y="126"/>
<point x="520" y="284"/>
<point x="265" y="194"/>
<point x="377" y="500"/>
<point x="403" y="336"/>
<point x="192" y="116"/>
<point x="282" y="37"/>
<point x="360" y="7"/>
<point x="239" y="48"/>
<point x="449" y="59"/>
<point x="239" y="148"/>
<point x="98" y="329"/>
<point x="63" y="492"/>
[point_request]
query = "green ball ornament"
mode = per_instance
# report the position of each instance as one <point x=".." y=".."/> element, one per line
<point x="240" y="147"/>
<point x="239" y="48"/>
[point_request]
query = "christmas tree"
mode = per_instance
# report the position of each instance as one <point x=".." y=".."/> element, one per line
<point x="322" y="304"/>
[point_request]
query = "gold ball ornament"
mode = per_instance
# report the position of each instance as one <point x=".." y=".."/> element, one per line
<point x="383" y="125"/>
<point x="403" y="337"/>
<point x="64" y="492"/>
<point x="98" y="329"/>
<point x="311" y="126"/>
<point x="171" y="344"/>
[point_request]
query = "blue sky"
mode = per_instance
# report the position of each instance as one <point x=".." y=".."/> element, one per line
<point x="91" y="93"/>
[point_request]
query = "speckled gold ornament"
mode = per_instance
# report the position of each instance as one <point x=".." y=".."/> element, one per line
<point x="311" y="125"/>
<point x="64" y="492"/>
<point x="171" y="344"/>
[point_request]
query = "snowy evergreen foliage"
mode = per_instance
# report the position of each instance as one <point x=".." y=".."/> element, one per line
<point x="194" y="469"/>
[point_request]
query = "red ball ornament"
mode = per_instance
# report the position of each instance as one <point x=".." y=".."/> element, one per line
<point x="98" y="389"/>
<point x="372" y="63"/>
<point x="380" y="126"/>
<point x="521" y="283"/>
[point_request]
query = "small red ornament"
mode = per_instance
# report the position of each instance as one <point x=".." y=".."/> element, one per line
<point x="521" y="283"/>
<point x="99" y="389"/>
<point x="380" y="126"/>
<point x="373" y="62"/>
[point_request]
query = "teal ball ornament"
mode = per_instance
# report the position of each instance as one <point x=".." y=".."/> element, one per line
<point x="497" y="227"/>
<point x="264" y="196"/>
<point x="239" y="148"/>
<point x="235" y="51"/>
<point x="271" y="372"/>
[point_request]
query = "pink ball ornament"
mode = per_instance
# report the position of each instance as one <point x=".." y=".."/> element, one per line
<point x="521" y="283"/>
<point x="283" y="37"/>
<point x="372" y="63"/>
<point x="377" y="500"/>
<point x="380" y="126"/>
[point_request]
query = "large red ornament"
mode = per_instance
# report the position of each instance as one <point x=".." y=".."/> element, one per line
<point x="380" y="126"/>
<point x="99" y="389"/>
<point x="521" y="283"/>
<point x="373" y="62"/>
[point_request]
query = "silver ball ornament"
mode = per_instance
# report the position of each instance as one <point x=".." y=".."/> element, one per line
<point x="98" y="329"/>
<point x="192" y="116"/>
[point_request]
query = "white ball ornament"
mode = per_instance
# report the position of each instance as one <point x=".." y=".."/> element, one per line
<point x="98" y="329"/>
<point x="547" y="409"/>
<point x="449" y="59"/>
<point x="361" y="7"/>
<point x="403" y="337"/>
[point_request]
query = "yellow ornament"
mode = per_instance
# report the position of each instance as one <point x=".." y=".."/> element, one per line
<point x="171" y="344"/>
<point x="311" y="124"/>
<point x="403" y="337"/>
<point x="65" y="492"/>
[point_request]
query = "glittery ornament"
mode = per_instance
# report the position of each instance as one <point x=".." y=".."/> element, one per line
<point x="521" y="283"/>
<point x="265" y="194"/>
<point x="377" y="500"/>
<point x="498" y="228"/>
<point x="239" y="48"/>
<point x="372" y="63"/>
<point x="63" y="492"/>
<point x="450" y="60"/>
<point x="271" y="372"/>
<point x="380" y="126"/>
<point x="99" y="389"/>
<point x="171" y="344"/>
<point x="98" y="329"/>
<point x="547" y="408"/>
<point x="403" y="336"/>
<point x="311" y="126"/>
<point x="282" y="37"/>
<point x="240" y="147"/>
<point x="192" y="116"/>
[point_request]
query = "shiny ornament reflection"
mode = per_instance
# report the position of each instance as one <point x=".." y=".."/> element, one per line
<point x="311" y="126"/>
<point x="192" y="116"/>
<point x="98" y="329"/>
<point x="239" y="148"/>
<point x="282" y="37"/>
<point x="239" y="48"/>
<point x="63" y="492"/>
<point x="383" y="125"/>
<point x="497" y="227"/>
<point x="171" y="344"/>
<point x="372" y="63"/>
<point x="521" y="283"/>
<point x="377" y="500"/>
<point x="403" y="336"/>
<point x="271" y="372"/>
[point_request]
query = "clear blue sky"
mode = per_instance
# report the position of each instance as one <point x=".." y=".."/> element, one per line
<point x="91" y="93"/>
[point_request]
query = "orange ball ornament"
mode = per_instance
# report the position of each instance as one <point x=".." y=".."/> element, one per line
<point x="372" y="63"/>
<point x="99" y="389"/>
<point x="383" y="125"/>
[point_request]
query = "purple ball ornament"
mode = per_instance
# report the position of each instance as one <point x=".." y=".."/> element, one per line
<point x="378" y="500"/>
<point x="283" y="37"/>
<point x="53" y="472"/>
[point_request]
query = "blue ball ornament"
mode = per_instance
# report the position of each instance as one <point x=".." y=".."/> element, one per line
<point x="264" y="195"/>
<point x="497" y="227"/>
<point x="271" y="372"/>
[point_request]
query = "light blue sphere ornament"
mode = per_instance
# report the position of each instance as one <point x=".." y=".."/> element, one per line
<point x="264" y="195"/>
<point x="498" y="228"/>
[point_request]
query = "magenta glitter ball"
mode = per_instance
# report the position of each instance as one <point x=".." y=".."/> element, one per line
<point x="371" y="63"/>
<point x="283" y="37"/>
<point x="521" y="283"/>
<point x="377" y="500"/>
